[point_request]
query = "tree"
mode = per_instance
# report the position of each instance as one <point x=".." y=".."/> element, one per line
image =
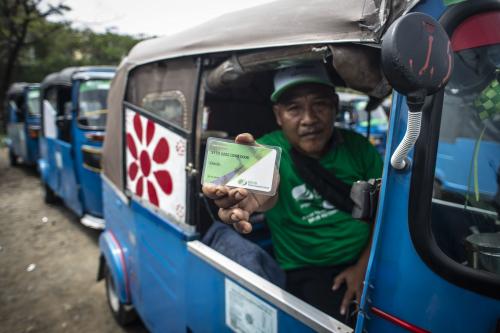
<point x="17" y="18"/>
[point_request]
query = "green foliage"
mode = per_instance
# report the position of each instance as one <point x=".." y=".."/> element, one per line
<point x="31" y="47"/>
<point x="69" y="47"/>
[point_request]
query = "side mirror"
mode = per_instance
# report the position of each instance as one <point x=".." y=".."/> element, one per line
<point x="417" y="60"/>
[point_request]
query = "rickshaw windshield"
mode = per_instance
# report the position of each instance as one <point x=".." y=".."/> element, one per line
<point x="378" y="116"/>
<point x="92" y="111"/>
<point x="34" y="102"/>
<point x="467" y="178"/>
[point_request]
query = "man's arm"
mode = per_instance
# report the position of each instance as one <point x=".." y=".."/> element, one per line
<point x="353" y="277"/>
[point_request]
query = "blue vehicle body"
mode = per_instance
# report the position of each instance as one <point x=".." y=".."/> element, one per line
<point x="413" y="282"/>
<point x="152" y="256"/>
<point x="70" y="147"/>
<point x="23" y="122"/>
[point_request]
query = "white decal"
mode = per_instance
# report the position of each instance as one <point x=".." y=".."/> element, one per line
<point x="155" y="169"/>
<point x="246" y="313"/>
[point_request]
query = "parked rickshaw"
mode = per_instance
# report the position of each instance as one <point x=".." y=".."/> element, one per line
<point x="215" y="80"/>
<point x="74" y="111"/>
<point x="362" y="115"/>
<point x="23" y="122"/>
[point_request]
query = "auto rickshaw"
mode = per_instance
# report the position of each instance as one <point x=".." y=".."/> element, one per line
<point x="364" y="116"/>
<point x="23" y="122"/>
<point x="214" y="80"/>
<point x="73" y="109"/>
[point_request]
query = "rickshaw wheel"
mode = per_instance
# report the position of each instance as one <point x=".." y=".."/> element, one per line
<point x="124" y="314"/>
<point x="48" y="195"/>
<point x="12" y="158"/>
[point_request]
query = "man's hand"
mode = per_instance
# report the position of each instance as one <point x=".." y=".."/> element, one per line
<point x="237" y="204"/>
<point x="353" y="277"/>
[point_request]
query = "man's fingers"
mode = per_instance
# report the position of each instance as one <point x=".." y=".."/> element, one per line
<point x="233" y="197"/>
<point x="233" y="215"/>
<point x="346" y="301"/>
<point x="245" y="138"/>
<point x="339" y="279"/>
<point x="215" y="191"/>
<point x="243" y="227"/>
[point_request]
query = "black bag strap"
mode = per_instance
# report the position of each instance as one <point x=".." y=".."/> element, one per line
<point x="323" y="181"/>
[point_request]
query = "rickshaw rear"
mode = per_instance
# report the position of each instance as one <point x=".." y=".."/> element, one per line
<point x="73" y="118"/>
<point x="23" y="122"/>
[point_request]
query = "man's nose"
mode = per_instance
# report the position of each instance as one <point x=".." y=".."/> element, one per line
<point x="309" y="116"/>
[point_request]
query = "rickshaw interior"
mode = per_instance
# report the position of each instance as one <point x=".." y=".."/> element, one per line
<point x="59" y="99"/>
<point x="236" y="99"/>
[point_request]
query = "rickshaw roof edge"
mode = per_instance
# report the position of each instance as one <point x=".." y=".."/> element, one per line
<point x="276" y="24"/>
<point x="17" y="88"/>
<point x="65" y="76"/>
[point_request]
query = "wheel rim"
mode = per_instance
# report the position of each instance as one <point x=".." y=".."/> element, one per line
<point x="114" y="302"/>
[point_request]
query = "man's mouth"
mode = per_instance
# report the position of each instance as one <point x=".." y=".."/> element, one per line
<point x="310" y="133"/>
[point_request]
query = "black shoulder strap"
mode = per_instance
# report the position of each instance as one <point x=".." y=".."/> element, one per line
<point x="323" y="181"/>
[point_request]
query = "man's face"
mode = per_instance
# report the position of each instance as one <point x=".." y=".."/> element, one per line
<point x="306" y="114"/>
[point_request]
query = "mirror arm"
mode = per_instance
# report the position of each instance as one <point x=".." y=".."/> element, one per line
<point x="400" y="160"/>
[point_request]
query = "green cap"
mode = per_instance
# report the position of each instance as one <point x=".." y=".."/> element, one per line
<point x="289" y="77"/>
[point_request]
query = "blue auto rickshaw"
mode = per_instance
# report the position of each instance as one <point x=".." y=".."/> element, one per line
<point x="74" y="110"/>
<point x="23" y="122"/>
<point x="365" y="116"/>
<point x="214" y="80"/>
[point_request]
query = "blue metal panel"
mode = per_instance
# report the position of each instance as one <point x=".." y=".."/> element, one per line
<point x="69" y="189"/>
<point x="120" y="221"/>
<point x="89" y="180"/>
<point x="162" y="272"/>
<point x="206" y="301"/>
<point x="48" y="163"/>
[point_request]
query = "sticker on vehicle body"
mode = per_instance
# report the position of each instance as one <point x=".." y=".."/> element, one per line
<point x="246" y="313"/>
<point x="58" y="158"/>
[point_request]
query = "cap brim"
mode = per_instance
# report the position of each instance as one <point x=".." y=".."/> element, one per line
<point x="277" y="93"/>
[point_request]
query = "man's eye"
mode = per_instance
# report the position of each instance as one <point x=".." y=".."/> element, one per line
<point x="323" y="104"/>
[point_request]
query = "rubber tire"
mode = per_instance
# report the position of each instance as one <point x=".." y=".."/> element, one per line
<point x="49" y="196"/>
<point x="12" y="158"/>
<point x="124" y="314"/>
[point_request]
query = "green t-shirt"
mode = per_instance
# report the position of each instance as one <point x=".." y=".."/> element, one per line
<point x="307" y="230"/>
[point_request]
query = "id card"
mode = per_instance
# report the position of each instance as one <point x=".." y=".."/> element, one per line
<point x="236" y="165"/>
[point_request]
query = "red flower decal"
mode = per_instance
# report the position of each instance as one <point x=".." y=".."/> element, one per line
<point x="146" y="159"/>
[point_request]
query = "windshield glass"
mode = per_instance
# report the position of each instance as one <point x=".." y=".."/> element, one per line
<point x="92" y="103"/>
<point x="466" y="205"/>
<point x="34" y="102"/>
<point x="378" y="115"/>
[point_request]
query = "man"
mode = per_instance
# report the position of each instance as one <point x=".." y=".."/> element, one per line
<point x="323" y="250"/>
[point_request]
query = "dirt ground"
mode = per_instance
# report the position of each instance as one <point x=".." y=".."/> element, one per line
<point x="48" y="263"/>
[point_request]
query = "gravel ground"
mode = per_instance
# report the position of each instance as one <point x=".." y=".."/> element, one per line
<point x="48" y="263"/>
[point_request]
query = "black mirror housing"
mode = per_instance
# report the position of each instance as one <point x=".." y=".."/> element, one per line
<point x="417" y="58"/>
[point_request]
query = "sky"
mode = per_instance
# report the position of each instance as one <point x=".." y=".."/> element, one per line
<point x="147" y="17"/>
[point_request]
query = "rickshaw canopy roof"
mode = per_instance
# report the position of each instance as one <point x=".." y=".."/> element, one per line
<point x="17" y="88"/>
<point x="281" y="23"/>
<point x="65" y="76"/>
<point x="278" y="23"/>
